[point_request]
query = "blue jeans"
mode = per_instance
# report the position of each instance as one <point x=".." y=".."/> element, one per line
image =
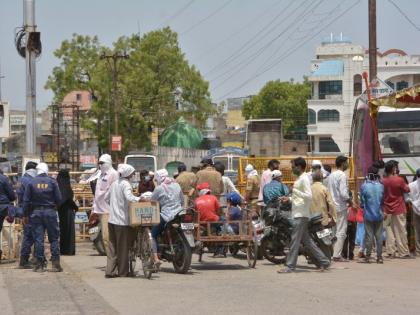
<point x="27" y="242"/>
<point x="41" y="220"/>
<point x="156" y="230"/>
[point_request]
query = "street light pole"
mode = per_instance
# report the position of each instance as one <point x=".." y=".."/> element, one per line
<point x="372" y="41"/>
<point x="33" y="45"/>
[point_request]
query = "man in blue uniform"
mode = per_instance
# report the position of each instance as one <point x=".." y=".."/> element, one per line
<point x="7" y="196"/>
<point x="40" y="202"/>
<point x="28" y="240"/>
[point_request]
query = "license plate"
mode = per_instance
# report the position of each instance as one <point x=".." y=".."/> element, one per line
<point x="187" y="226"/>
<point x="93" y="230"/>
<point x="324" y="233"/>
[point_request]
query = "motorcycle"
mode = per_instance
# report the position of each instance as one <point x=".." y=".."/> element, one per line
<point x="277" y="236"/>
<point x="95" y="234"/>
<point x="176" y="242"/>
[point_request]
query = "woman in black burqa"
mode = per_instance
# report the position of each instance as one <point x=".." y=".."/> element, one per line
<point x="66" y="211"/>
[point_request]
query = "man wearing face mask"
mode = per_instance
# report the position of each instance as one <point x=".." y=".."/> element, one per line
<point x="100" y="206"/>
<point x="339" y="190"/>
<point x="146" y="183"/>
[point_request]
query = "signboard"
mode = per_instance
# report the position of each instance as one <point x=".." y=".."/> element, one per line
<point x="378" y="88"/>
<point x="116" y="143"/>
<point x="81" y="217"/>
<point x="88" y="159"/>
<point x="50" y="157"/>
<point x="144" y="213"/>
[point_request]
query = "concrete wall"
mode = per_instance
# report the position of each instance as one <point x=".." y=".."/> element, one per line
<point x="191" y="157"/>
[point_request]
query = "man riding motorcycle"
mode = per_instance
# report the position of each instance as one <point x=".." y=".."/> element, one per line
<point x="170" y="197"/>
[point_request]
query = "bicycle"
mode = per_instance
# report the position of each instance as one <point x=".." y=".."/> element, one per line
<point x="142" y="248"/>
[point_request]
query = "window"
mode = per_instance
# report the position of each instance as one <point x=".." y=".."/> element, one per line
<point x="328" y="115"/>
<point x="402" y="85"/>
<point x="327" y="144"/>
<point x="357" y="85"/>
<point x="326" y="88"/>
<point x="390" y="84"/>
<point x="311" y="117"/>
<point x="78" y="97"/>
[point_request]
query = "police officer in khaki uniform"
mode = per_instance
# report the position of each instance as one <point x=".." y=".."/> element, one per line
<point x="252" y="187"/>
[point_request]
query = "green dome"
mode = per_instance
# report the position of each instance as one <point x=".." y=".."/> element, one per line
<point x="181" y="135"/>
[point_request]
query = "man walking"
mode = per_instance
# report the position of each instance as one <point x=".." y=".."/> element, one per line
<point x="40" y="201"/>
<point x="395" y="209"/>
<point x="28" y="239"/>
<point x="337" y="185"/>
<point x="301" y="204"/>
<point x="372" y="197"/>
<point x="100" y="207"/>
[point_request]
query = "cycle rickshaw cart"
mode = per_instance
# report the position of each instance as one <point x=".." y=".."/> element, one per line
<point x="217" y="233"/>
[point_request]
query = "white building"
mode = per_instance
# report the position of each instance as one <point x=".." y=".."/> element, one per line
<point x="336" y="76"/>
<point x="4" y="123"/>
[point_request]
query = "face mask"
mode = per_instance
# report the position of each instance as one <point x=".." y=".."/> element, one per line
<point x="147" y="178"/>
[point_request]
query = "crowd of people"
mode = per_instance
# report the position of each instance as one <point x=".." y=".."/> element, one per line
<point x="377" y="215"/>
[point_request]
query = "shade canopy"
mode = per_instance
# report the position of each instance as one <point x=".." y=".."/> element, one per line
<point x="181" y="135"/>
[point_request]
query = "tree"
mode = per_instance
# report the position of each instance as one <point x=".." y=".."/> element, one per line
<point x="146" y="81"/>
<point x="281" y="99"/>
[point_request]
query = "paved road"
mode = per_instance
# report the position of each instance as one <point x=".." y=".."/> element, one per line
<point x="213" y="287"/>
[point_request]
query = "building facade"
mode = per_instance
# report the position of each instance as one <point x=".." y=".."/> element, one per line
<point x="336" y="77"/>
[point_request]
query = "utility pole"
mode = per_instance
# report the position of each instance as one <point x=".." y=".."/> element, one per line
<point x="112" y="60"/>
<point x="32" y="50"/>
<point x="372" y="41"/>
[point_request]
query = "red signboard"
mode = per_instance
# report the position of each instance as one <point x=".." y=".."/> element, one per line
<point x="116" y="143"/>
<point x="88" y="159"/>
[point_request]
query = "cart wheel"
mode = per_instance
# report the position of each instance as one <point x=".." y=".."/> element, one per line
<point x="252" y="254"/>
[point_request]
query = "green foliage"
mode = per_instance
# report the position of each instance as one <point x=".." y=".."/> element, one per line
<point x="281" y="99"/>
<point x="145" y="83"/>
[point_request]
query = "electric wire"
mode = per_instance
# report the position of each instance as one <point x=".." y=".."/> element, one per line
<point x="254" y="56"/>
<point x="177" y="13"/>
<point x="404" y="15"/>
<point x="206" y="18"/>
<point x="281" y="58"/>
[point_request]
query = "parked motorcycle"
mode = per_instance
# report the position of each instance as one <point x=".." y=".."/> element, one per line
<point x="175" y="243"/>
<point x="95" y="234"/>
<point x="277" y="236"/>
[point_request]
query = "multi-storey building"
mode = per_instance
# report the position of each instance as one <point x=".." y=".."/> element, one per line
<point x="336" y="76"/>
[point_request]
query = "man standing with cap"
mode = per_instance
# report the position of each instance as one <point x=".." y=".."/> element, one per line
<point x="40" y="202"/>
<point x="28" y="239"/>
<point x="100" y="207"/>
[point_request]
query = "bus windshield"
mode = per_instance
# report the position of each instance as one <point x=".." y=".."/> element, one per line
<point x="142" y="163"/>
<point x="399" y="132"/>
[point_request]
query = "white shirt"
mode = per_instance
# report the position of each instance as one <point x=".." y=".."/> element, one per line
<point x="337" y="185"/>
<point x="103" y="184"/>
<point x="120" y="195"/>
<point x="415" y="195"/>
<point x="265" y="179"/>
<point x="301" y="197"/>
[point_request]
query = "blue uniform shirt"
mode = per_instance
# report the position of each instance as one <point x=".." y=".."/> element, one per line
<point x="372" y="198"/>
<point x="7" y="195"/>
<point x="23" y="182"/>
<point x="273" y="190"/>
<point x="42" y="191"/>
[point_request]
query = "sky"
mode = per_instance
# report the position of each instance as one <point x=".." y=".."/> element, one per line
<point x="238" y="45"/>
